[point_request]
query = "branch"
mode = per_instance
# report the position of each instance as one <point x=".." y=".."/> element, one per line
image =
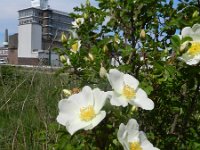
<point x="174" y="124"/>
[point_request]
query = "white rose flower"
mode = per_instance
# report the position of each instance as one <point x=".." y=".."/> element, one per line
<point x="82" y="110"/>
<point x="116" y="63"/>
<point x="77" y="22"/>
<point x="132" y="139"/>
<point x="126" y="91"/>
<point x="192" y="55"/>
<point x="76" y="46"/>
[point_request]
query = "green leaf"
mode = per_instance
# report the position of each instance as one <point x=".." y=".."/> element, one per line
<point x="176" y="42"/>
<point x="187" y="38"/>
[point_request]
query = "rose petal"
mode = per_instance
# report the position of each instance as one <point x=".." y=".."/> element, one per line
<point x="122" y="136"/>
<point x="99" y="99"/>
<point x="87" y="97"/>
<point x="115" y="78"/>
<point x="142" y="100"/>
<point x="187" y="31"/>
<point x="145" y="144"/>
<point x="118" y="100"/>
<point x="75" y="125"/>
<point x="131" y="81"/>
<point x="98" y="119"/>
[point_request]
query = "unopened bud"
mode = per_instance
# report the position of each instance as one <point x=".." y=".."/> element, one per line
<point x="185" y="46"/>
<point x="86" y="59"/>
<point x="85" y="16"/>
<point x="68" y="61"/>
<point x="134" y="108"/>
<point x="87" y="2"/>
<point x="67" y="92"/>
<point x="63" y="38"/>
<point x="195" y="14"/>
<point x="102" y="72"/>
<point x="116" y="39"/>
<point x="166" y="51"/>
<point x="105" y="48"/>
<point x="142" y="34"/>
<point x="63" y="59"/>
<point x="91" y="57"/>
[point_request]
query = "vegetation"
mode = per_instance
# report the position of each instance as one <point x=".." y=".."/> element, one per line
<point x="28" y="107"/>
<point x="138" y="37"/>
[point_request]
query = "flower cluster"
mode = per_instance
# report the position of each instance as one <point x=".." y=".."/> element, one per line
<point x="75" y="43"/>
<point x="83" y="110"/>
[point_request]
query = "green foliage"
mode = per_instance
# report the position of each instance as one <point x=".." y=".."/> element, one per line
<point x="113" y="29"/>
<point x="28" y="107"/>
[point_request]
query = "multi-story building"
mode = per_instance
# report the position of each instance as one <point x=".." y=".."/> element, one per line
<point x="39" y="31"/>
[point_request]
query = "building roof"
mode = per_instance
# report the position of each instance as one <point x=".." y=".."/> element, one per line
<point x="53" y="10"/>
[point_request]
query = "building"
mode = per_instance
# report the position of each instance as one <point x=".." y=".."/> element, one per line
<point x="4" y="49"/>
<point x="39" y="31"/>
<point x="3" y="55"/>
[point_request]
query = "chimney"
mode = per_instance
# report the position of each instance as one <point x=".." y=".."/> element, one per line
<point x="5" y="43"/>
<point x="42" y="4"/>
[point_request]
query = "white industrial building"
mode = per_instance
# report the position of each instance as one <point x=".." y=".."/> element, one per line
<point x="39" y="32"/>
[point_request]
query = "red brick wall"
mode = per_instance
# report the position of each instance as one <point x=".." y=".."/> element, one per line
<point x="28" y="61"/>
<point x="12" y="56"/>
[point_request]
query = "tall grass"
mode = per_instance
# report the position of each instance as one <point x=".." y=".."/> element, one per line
<point x="28" y="108"/>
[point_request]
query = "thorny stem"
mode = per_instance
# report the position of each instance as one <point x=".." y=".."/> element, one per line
<point x="173" y="126"/>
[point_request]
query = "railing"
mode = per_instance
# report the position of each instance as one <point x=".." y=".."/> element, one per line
<point x="3" y="52"/>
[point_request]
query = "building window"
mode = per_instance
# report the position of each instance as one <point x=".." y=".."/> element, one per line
<point x="35" y="50"/>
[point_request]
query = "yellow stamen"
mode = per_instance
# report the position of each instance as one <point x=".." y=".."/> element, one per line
<point x="128" y="92"/>
<point x="87" y="113"/>
<point x="135" y="146"/>
<point x="194" y="49"/>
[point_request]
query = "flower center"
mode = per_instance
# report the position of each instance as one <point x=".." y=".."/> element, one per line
<point x="194" y="49"/>
<point x="87" y="113"/>
<point x="135" y="146"/>
<point x="128" y="92"/>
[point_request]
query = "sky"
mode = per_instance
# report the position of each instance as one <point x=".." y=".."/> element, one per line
<point x="9" y="14"/>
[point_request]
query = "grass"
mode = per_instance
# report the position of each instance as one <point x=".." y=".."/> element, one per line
<point x="28" y="108"/>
